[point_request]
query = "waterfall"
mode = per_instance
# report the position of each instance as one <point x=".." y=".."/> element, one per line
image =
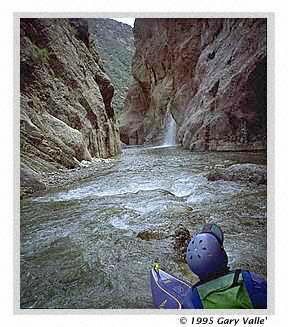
<point x="169" y="138"/>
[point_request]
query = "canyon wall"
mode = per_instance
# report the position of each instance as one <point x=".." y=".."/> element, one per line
<point x="115" y="44"/>
<point x="66" y="114"/>
<point x="209" y="73"/>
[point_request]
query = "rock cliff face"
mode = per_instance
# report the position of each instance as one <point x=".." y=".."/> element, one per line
<point x="115" y="44"/>
<point x="66" y="112"/>
<point x="209" y="73"/>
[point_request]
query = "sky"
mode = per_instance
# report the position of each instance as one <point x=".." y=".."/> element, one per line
<point x="128" y="20"/>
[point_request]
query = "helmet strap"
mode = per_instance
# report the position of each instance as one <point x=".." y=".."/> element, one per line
<point x="215" y="275"/>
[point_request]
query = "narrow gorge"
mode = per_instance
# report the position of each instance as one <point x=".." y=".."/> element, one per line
<point x="131" y="139"/>
<point x="210" y="74"/>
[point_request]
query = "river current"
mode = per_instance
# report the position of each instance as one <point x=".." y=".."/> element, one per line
<point x="79" y="244"/>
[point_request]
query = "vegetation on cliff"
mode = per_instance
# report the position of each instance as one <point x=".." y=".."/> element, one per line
<point x="115" y="44"/>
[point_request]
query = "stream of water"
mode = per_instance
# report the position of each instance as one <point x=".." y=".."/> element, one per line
<point x="79" y="244"/>
<point x="169" y="131"/>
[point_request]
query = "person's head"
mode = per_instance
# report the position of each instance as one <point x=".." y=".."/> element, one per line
<point x="205" y="254"/>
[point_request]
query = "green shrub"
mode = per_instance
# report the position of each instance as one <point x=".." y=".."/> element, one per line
<point x="38" y="55"/>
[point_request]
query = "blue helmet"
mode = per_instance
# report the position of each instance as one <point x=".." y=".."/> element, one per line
<point x="206" y="256"/>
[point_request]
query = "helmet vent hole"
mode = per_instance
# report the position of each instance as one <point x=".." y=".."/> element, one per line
<point x="200" y="241"/>
<point x="191" y="257"/>
<point x="199" y="256"/>
<point x="189" y="250"/>
<point x="204" y="248"/>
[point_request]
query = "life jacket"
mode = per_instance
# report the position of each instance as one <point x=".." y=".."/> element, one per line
<point x="238" y="289"/>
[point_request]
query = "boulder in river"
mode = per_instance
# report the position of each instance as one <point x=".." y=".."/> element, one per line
<point x="180" y="238"/>
<point x="30" y="181"/>
<point x="240" y="172"/>
<point x="148" y="235"/>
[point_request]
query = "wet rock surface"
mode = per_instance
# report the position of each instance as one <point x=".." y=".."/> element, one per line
<point x="182" y="238"/>
<point x="251" y="173"/>
<point x="30" y="182"/>
<point x="209" y="73"/>
<point x="149" y="235"/>
<point x="179" y="239"/>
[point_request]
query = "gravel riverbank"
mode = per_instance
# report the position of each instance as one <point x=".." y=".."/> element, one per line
<point x="68" y="177"/>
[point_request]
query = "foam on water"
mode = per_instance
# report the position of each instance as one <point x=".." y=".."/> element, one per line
<point x="94" y="190"/>
<point x="87" y="245"/>
<point x="196" y="188"/>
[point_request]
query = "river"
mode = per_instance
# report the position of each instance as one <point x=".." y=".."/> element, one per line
<point x="79" y="244"/>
